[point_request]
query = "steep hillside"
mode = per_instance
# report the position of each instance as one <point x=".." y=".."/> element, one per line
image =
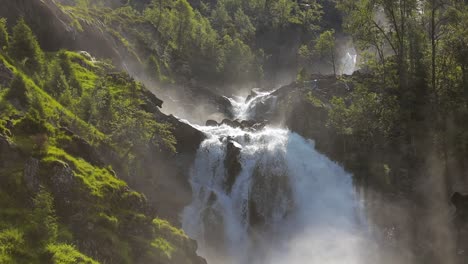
<point x="72" y="130"/>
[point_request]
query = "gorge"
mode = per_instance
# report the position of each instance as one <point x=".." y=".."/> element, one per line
<point x="129" y="133"/>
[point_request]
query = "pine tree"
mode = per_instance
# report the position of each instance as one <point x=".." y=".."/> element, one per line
<point x="18" y="91"/>
<point x="57" y="82"/>
<point x="25" y="48"/>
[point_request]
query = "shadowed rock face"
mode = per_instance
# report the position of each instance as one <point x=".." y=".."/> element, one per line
<point x="270" y="189"/>
<point x="460" y="201"/>
<point x="232" y="164"/>
<point x="211" y="123"/>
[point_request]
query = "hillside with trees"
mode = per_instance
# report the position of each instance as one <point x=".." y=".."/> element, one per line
<point x="92" y="171"/>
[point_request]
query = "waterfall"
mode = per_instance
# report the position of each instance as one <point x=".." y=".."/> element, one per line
<point x="267" y="196"/>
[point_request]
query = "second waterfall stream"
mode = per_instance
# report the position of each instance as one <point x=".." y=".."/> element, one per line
<point x="266" y="196"/>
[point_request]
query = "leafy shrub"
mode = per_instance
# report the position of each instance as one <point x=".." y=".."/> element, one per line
<point x="67" y="254"/>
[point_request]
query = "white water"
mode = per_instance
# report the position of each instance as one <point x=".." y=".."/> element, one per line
<point x="312" y="214"/>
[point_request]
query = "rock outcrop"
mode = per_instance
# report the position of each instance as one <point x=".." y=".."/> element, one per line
<point x="211" y="123"/>
<point x="232" y="164"/>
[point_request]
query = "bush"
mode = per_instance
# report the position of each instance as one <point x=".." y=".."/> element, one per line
<point x="67" y="254"/>
<point x="11" y="241"/>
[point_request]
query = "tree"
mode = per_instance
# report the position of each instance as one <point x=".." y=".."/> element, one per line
<point x="184" y="22"/>
<point x="244" y="26"/>
<point x="44" y="225"/>
<point x="325" y="47"/>
<point x="4" y="37"/>
<point x="66" y="65"/>
<point x="282" y="12"/>
<point x="18" y="90"/>
<point x="220" y="18"/>
<point x="25" y="48"/>
<point x="57" y="82"/>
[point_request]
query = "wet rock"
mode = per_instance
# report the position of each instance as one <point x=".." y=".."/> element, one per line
<point x="150" y="102"/>
<point x="247" y="123"/>
<point x="251" y="95"/>
<point x="271" y="195"/>
<point x="30" y="174"/>
<point x="227" y="122"/>
<point x="211" y="123"/>
<point x="232" y="164"/>
<point x="188" y="138"/>
<point x="231" y="123"/>
<point x="259" y="126"/>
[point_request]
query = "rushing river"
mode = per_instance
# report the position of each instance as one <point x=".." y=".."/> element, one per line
<point x="285" y="204"/>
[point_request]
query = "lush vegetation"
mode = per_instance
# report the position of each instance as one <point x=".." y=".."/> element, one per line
<point x="208" y="42"/>
<point x="61" y="114"/>
<point x="410" y="98"/>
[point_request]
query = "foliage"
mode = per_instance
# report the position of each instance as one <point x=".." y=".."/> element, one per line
<point x="11" y="242"/>
<point x="325" y="46"/>
<point x="4" y="37"/>
<point x="67" y="254"/>
<point x="18" y="90"/>
<point x="76" y="99"/>
<point x="25" y="48"/>
<point x="192" y="44"/>
<point x="44" y="225"/>
<point x="367" y="117"/>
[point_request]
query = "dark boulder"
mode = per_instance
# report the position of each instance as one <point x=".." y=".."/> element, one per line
<point x="188" y="138"/>
<point x="259" y="126"/>
<point x="211" y="123"/>
<point x="150" y="102"/>
<point x="231" y="123"/>
<point x="232" y="164"/>
<point x="227" y="122"/>
<point x="247" y="123"/>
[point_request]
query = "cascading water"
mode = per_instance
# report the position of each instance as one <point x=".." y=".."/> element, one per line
<point x="268" y="196"/>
